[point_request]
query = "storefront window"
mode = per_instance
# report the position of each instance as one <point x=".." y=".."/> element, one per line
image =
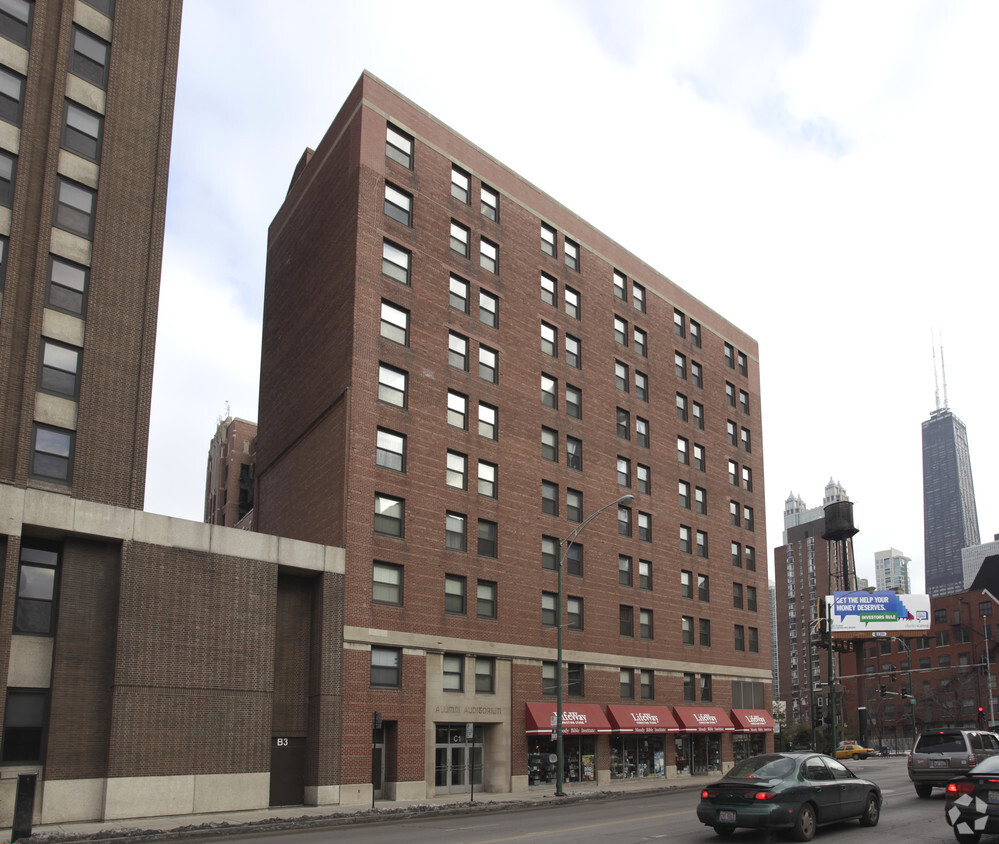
<point x="745" y="745"/>
<point x="580" y="759"/>
<point x="637" y="756"/>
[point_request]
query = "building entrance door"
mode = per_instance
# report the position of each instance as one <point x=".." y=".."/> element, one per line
<point x="457" y="759"/>
<point x="287" y="771"/>
<point x="378" y="763"/>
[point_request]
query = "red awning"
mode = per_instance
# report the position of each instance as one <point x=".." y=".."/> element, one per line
<point x="752" y="721"/>
<point x="577" y="719"/>
<point x="696" y="720"/>
<point x="642" y="719"/>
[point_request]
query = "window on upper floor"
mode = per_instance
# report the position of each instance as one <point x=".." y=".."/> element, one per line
<point x="453" y="670"/>
<point x="625" y="574"/>
<point x="392" y="385"/>
<point x="457" y="351"/>
<point x="572" y="351"/>
<point x="641" y="341"/>
<point x="549" y="340"/>
<point x="626" y="620"/>
<point x="695" y="333"/>
<point x="679" y="323"/>
<point x="457" y="410"/>
<point x="549" y="609"/>
<point x="15" y="20"/>
<point x="455" y="531"/>
<point x="574" y="453"/>
<point x="488" y="255"/>
<point x="89" y="59"/>
<point x="638" y="296"/>
<point x="642" y="431"/>
<point x="697" y="415"/>
<point x="37" y="587"/>
<point x="645" y="575"/>
<point x="105" y="7"/>
<point x="82" y="131"/>
<point x="549" y="391"/>
<point x="643" y="479"/>
<point x="60" y="369"/>
<point x="700" y="501"/>
<point x="548" y="240"/>
<point x="645" y="527"/>
<point x="8" y="174"/>
<point x="386" y="668"/>
<point x="394" y="323"/>
<point x="67" y="288"/>
<point x="386" y="583"/>
<point x="729" y="356"/>
<point x="396" y="261"/>
<point x="571" y="249"/>
<point x="623" y="472"/>
<point x="573" y="402"/>
<point x="641" y="386"/>
<point x="454" y="594"/>
<point x="390" y="515"/>
<point x="623" y="520"/>
<point x="11" y="96"/>
<point x="24" y="725"/>
<point x="488" y="309"/>
<point x="574" y="613"/>
<point x="549" y="498"/>
<point x="620" y="286"/>
<point x="744" y="401"/>
<point x="52" y="453"/>
<point x="489" y="202"/>
<point x="456" y="475"/>
<point x="399" y="146"/>
<point x="488" y="426"/>
<point x="549" y="289"/>
<point x="488" y="364"/>
<point x="487" y="478"/>
<point x="459" y="238"/>
<point x="574" y="505"/>
<point x="549" y="444"/>
<point x="390" y="450"/>
<point x="742" y="363"/>
<point x="485" y="599"/>
<point x="685" y="542"/>
<point x="571" y="298"/>
<point x="485" y="675"/>
<point x="621" y="376"/>
<point x="458" y="294"/>
<point x="461" y="184"/>
<point x="620" y="331"/>
<point x="574" y="559"/>
<point x="398" y="205"/>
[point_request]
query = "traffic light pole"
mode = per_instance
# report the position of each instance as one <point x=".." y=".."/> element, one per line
<point x="832" y="684"/>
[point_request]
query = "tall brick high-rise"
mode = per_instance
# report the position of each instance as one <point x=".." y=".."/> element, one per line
<point x="456" y="372"/>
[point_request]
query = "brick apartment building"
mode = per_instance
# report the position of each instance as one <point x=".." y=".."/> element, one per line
<point x="229" y="485"/>
<point x="456" y="372"/>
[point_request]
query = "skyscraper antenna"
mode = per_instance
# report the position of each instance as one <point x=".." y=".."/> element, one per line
<point x="936" y="383"/>
<point x="943" y="375"/>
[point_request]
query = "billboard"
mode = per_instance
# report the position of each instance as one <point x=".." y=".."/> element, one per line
<point x="881" y="611"/>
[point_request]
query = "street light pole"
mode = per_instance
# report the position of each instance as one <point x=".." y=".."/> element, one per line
<point x="988" y="671"/>
<point x="564" y="547"/>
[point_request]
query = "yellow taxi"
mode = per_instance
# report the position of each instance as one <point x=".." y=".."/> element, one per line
<point x="852" y="750"/>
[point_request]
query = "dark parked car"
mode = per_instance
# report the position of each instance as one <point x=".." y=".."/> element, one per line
<point x="973" y="802"/>
<point x="940" y="755"/>
<point x="791" y="791"/>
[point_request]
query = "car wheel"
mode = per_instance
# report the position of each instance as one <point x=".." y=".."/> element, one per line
<point x="856" y="756"/>
<point x="872" y="811"/>
<point x="923" y="790"/>
<point x="967" y="837"/>
<point x="804" y="824"/>
<point x="724" y="831"/>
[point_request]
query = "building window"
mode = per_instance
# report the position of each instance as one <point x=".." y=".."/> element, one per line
<point x="680" y="365"/>
<point x="457" y="470"/>
<point x="454" y="594"/>
<point x="8" y="171"/>
<point x="744" y="401"/>
<point x="485" y="599"/>
<point x="689" y="687"/>
<point x="572" y="351"/>
<point x="549" y="290"/>
<point x="626" y="624"/>
<point x="36" y="590"/>
<point x="620" y="286"/>
<point x="488" y="255"/>
<point x="571" y="254"/>
<point x="488" y="362"/>
<point x="459" y="239"/>
<point x="487" y="421"/>
<point x="700" y="501"/>
<point x="67" y="289"/>
<point x="679" y="323"/>
<point x="488" y="309"/>
<point x="396" y="262"/>
<point x="686" y="584"/>
<point x="386" y="668"/>
<point x="742" y="363"/>
<point x="641" y="340"/>
<point x="747" y="479"/>
<point x="386" y="584"/>
<point x="574" y="505"/>
<point x="737" y="596"/>
<point x="398" y="146"/>
<point x="733" y="512"/>
<point x="685" y="545"/>
<point x="638" y="296"/>
<point x="74" y="207"/>
<point x="574" y="613"/>
<point x="60" y="369"/>
<point x="549" y="604"/>
<point x="574" y="559"/>
<point x="11" y="95"/>
<point x="754" y="640"/>
<point x="620" y="331"/>
<point x="681" y="407"/>
<point x="730" y="394"/>
<point x="487" y="539"/>
<point x="489" y="203"/>
<point x="729" y="356"/>
<point x="683" y="489"/>
<point x="398" y="204"/>
<point x="645" y="575"/>
<point x="641" y="385"/>
<point x="643" y="479"/>
<point x="696" y="374"/>
<point x="703" y="588"/>
<point x="574" y="453"/>
<point x="751" y="598"/>
<point x="747" y="518"/>
<point x="702" y="544"/>
<point x="623" y="520"/>
<point x="82" y="130"/>
<point x="549" y="683"/>
<point x="549" y="340"/>
<point x="454" y="532"/>
<point x="3" y="261"/>
<point x="683" y="451"/>
<point x="549" y="444"/>
<point x="549" y="391"/>
<point x="389" y="515"/>
<point x="457" y="410"/>
<point x="549" y="498"/>
<point x="750" y="558"/>
<point x="52" y="453"/>
<point x="457" y="351"/>
<point x="458" y="294"/>
<point x="395" y="323"/>
<point x="621" y="376"/>
<point x="485" y="675"/>
<point x="24" y="719"/>
<point x="571" y="298"/>
<point x="623" y="472"/>
<point x="624" y="571"/>
<point x="549" y="553"/>
<point x="454" y="672"/>
<point x="645" y="630"/>
<point x="704" y="633"/>
<point x="642" y="431"/>
<point x="15" y="20"/>
<point x="747" y="445"/>
<point x="699" y="460"/>
<point x="573" y="402"/>
<point x="548" y="240"/>
<point x="740" y="637"/>
<point x="90" y="57"/>
<point x="687" y="629"/>
<point x="460" y="184"/>
<point x="698" y="415"/>
<point x="730" y="429"/>
<point x="392" y="385"/>
<point x="627" y="682"/>
<point x="706" y="693"/>
<point x="623" y="424"/>
<point x="487" y="479"/>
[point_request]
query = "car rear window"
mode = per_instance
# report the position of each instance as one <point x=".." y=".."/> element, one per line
<point x="990" y="742"/>
<point x="937" y="743"/>
<point x="763" y="767"/>
<point x="977" y="742"/>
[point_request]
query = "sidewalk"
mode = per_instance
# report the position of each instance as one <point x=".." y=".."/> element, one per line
<point x="258" y="820"/>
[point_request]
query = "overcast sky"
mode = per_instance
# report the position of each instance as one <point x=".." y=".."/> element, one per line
<point x="822" y="174"/>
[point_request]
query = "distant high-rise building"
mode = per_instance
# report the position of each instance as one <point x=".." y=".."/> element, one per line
<point x="806" y="567"/>
<point x="891" y="570"/>
<point x="973" y="556"/>
<point x="950" y="517"/>
<point x="229" y="481"/>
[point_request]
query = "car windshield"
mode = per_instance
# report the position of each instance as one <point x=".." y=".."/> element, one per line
<point x="763" y="768"/>
<point x="940" y="743"/>
<point x="987" y="766"/>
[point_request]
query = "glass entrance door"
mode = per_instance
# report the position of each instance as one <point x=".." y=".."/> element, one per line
<point x="457" y="760"/>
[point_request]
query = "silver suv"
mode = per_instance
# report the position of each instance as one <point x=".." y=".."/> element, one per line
<point x="941" y="755"/>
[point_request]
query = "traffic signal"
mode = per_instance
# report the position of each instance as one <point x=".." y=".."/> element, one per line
<point x="884" y="691"/>
<point x="981" y="714"/>
<point x="892" y="675"/>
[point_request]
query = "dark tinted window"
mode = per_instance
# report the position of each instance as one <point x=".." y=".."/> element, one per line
<point x="90" y="58"/>
<point x="940" y="743"/>
<point x="15" y="20"/>
<point x="770" y="766"/>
